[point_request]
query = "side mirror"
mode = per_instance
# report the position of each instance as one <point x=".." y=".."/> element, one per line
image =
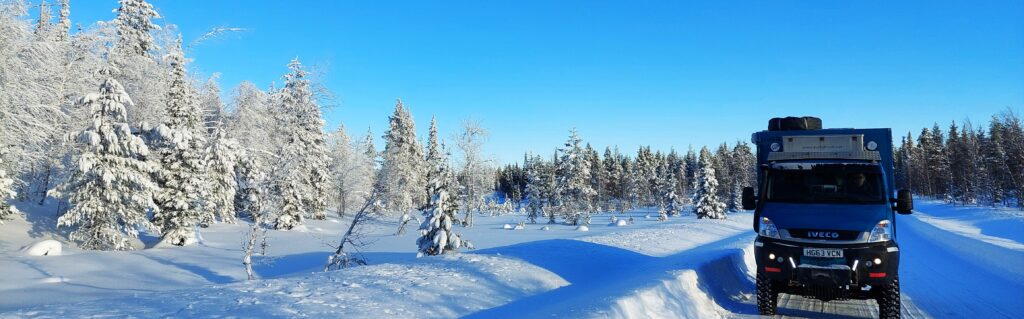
<point x="749" y="203"/>
<point x="904" y="202"/>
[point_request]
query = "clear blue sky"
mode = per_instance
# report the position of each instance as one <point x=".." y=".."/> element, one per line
<point x="661" y="73"/>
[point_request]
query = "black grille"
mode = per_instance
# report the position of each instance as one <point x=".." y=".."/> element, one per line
<point x="824" y="234"/>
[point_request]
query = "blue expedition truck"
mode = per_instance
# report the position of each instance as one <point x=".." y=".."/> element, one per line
<point x="825" y="214"/>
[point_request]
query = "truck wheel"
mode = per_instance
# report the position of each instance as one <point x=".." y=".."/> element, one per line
<point x="767" y="296"/>
<point x="889" y="300"/>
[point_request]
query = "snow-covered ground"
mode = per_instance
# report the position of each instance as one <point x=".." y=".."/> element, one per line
<point x="681" y="268"/>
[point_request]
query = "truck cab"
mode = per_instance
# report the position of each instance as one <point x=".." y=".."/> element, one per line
<point x="825" y="214"/>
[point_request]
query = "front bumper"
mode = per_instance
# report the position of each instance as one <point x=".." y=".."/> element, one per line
<point x="853" y="270"/>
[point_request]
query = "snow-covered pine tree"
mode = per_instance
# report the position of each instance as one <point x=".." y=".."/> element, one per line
<point x="573" y="184"/>
<point x="303" y="160"/>
<point x="673" y="206"/>
<point x="434" y="156"/>
<point x="179" y="148"/>
<point x="994" y="158"/>
<point x="400" y="180"/>
<point x="134" y="24"/>
<point x="212" y="106"/>
<point x="690" y="164"/>
<point x="43" y="26"/>
<point x="707" y="205"/>
<point x="646" y="169"/>
<point x="724" y="174"/>
<point x="662" y="215"/>
<point x="110" y="188"/>
<point x="220" y="174"/>
<point x="744" y="165"/>
<point x="63" y="27"/>
<point x="613" y="177"/>
<point x="598" y="178"/>
<point x="939" y="162"/>
<point x="6" y="193"/>
<point x="534" y="188"/>
<point x="437" y="235"/>
<point x="630" y="185"/>
<point x="677" y="168"/>
<point x="249" y="197"/>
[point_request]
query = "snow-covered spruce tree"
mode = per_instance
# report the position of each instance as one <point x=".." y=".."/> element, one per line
<point x="249" y="196"/>
<point x="433" y="159"/>
<point x="303" y="160"/>
<point x="400" y="180"/>
<point x="134" y="24"/>
<point x="722" y="161"/>
<point x="662" y="215"/>
<point x="437" y="234"/>
<point x="6" y="193"/>
<point x="573" y="181"/>
<point x="598" y="179"/>
<point x="673" y="206"/>
<point x="613" y="177"/>
<point x="534" y="188"/>
<point x="630" y="184"/>
<point x="180" y="150"/>
<point x="222" y="156"/>
<point x="110" y="188"/>
<point x="707" y="205"/>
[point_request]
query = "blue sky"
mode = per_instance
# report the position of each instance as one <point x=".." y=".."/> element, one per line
<point x="661" y="73"/>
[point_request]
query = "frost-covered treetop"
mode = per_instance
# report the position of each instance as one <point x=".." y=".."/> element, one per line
<point x="182" y="110"/>
<point x="134" y="22"/>
<point x="111" y="100"/>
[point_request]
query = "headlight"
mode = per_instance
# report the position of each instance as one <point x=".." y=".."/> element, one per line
<point x="881" y="233"/>
<point x="767" y="228"/>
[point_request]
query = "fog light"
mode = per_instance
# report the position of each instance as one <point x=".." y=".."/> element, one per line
<point x="771" y="256"/>
<point x="779" y="260"/>
<point x="869" y="263"/>
<point x="878" y="261"/>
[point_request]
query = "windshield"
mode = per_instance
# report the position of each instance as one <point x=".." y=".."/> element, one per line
<point x="826" y="183"/>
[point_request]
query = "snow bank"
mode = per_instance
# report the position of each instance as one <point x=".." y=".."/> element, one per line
<point x="506" y="226"/>
<point x="47" y="247"/>
<point x="994" y="226"/>
<point x="621" y="223"/>
<point x="679" y="297"/>
<point x="583" y="228"/>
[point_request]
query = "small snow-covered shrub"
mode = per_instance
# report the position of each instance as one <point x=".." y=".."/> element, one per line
<point x="47" y="247"/>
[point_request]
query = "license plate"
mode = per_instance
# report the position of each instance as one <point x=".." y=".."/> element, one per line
<point x="823" y="252"/>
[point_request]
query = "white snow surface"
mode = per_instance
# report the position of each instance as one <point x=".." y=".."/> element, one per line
<point x="682" y="268"/>
<point x="1001" y="227"/>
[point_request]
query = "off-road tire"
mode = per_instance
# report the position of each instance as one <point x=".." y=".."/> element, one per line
<point x="888" y="299"/>
<point x="767" y="296"/>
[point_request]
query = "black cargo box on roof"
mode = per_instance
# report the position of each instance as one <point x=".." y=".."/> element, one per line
<point x="794" y="123"/>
